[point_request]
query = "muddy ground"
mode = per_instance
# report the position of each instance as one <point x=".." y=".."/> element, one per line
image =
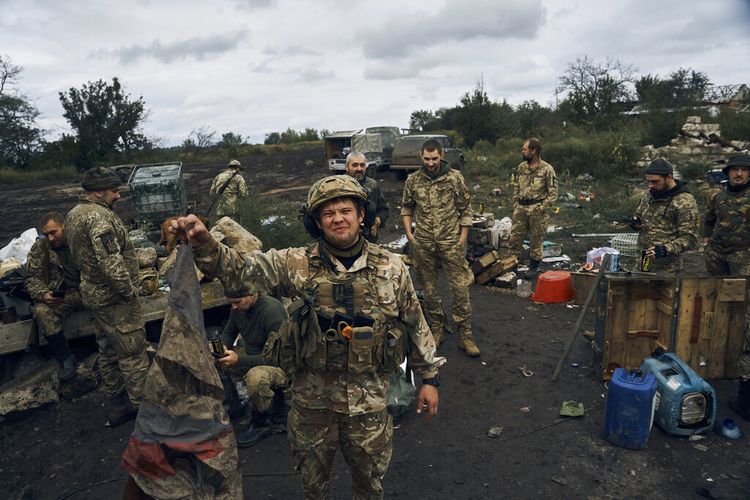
<point x="64" y="451"/>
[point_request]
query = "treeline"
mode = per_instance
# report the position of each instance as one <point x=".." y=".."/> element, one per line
<point x="591" y="97"/>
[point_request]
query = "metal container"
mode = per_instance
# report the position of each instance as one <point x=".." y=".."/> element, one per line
<point x="157" y="191"/>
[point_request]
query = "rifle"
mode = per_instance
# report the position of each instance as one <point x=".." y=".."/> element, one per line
<point x="219" y="192"/>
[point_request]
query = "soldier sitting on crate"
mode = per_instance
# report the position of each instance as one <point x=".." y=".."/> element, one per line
<point x="52" y="280"/>
<point x="256" y="317"/>
<point x="726" y="233"/>
<point x="227" y="189"/>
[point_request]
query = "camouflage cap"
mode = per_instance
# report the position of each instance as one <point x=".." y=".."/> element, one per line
<point x="234" y="164"/>
<point x="334" y="186"/>
<point x="100" y="179"/>
<point x="737" y="161"/>
<point x="660" y="167"/>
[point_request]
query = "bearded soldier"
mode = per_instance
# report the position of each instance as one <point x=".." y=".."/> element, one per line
<point x="667" y="218"/>
<point x="52" y="280"/>
<point x="726" y="232"/>
<point x="109" y="282"/>
<point x="357" y="317"/>
<point x="377" y="211"/>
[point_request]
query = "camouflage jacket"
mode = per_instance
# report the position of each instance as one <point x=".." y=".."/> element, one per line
<point x="102" y="251"/>
<point x="440" y="205"/>
<point x="302" y="272"/>
<point x="539" y="184"/>
<point x="727" y="221"/>
<point x="46" y="271"/>
<point x="670" y="219"/>
<point x="226" y="203"/>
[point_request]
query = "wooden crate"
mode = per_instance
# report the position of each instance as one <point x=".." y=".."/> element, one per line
<point x="701" y="319"/>
<point x="633" y="318"/>
<point x="710" y="326"/>
<point x="582" y="284"/>
<point x="496" y="269"/>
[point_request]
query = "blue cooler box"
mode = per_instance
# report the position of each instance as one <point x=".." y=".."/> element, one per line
<point x="629" y="412"/>
<point x="686" y="404"/>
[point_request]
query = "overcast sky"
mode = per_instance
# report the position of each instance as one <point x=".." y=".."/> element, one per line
<point x="257" y="66"/>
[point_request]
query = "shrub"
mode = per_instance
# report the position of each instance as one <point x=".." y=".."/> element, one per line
<point x="275" y="223"/>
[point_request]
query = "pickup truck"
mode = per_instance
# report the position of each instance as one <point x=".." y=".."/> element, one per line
<point x="407" y="153"/>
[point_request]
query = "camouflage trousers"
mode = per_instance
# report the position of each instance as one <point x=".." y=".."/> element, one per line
<point x="123" y="362"/>
<point x="366" y="442"/>
<point x="261" y="382"/>
<point x="531" y="219"/>
<point x="726" y="264"/>
<point x="50" y="317"/>
<point x="427" y="260"/>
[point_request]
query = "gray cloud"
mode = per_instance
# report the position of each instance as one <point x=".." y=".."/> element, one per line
<point x="258" y="4"/>
<point x="314" y="75"/>
<point x="200" y="48"/>
<point x="457" y="21"/>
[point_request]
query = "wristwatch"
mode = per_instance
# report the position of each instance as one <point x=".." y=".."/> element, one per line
<point x="434" y="381"/>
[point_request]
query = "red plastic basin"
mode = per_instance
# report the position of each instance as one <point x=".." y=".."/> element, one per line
<point x="553" y="287"/>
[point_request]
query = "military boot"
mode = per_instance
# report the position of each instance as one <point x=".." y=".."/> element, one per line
<point x="259" y="428"/>
<point x="61" y="351"/>
<point x="466" y="343"/>
<point x="120" y="410"/>
<point x="741" y="405"/>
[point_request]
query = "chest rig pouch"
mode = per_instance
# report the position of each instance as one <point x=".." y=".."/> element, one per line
<point x="355" y="335"/>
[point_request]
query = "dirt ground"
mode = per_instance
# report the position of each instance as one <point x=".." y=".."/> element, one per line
<point x="64" y="451"/>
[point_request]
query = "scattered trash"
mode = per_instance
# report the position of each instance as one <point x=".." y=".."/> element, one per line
<point x="700" y="447"/>
<point x="596" y="216"/>
<point x="585" y="177"/>
<point x="574" y="365"/>
<point x="728" y="429"/>
<point x="525" y="409"/>
<point x="526" y="372"/>
<point x="588" y="334"/>
<point x="558" y="480"/>
<point x="558" y="259"/>
<point x="696" y="437"/>
<point x="568" y="197"/>
<point x="571" y="409"/>
<point x="497" y="191"/>
<point x="495" y="432"/>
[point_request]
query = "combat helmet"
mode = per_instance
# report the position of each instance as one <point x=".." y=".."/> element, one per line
<point x="234" y="164"/>
<point x="334" y="186"/>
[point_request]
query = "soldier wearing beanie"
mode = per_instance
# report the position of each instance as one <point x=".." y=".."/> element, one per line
<point x="666" y="217"/>
<point x="726" y="232"/>
<point x="108" y="265"/>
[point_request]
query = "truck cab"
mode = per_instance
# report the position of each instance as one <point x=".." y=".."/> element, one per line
<point x="407" y="153"/>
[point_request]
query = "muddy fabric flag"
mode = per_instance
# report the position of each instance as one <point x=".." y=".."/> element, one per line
<point x="183" y="445"/>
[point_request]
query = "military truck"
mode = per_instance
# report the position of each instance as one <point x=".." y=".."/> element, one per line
<point x="376" y="143"/>
<point x="407" y="153"/>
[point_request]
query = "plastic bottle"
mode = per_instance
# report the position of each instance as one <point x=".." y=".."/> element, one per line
<point x="523" y="288"/>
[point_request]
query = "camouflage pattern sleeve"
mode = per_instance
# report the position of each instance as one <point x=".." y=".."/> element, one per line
<point x="688" y="220"/>
<point x="642" y="207"/>
<point x="407" y="198"/>
<point x="551" y="181"/>
<point x="381" y="209"/>
<point x="35" y="283"/>
<point x="463" y="201"/>
<point x="242" y="186"/>
<point x="709" y="221"/>
<point x="423" y="356"/>
<point x="255" y="272"/>
<point x="515" y="185"/>
<point x="108" y="254"/>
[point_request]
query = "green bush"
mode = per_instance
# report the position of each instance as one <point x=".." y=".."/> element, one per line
<point x="282" y="227"/>
<point x="734" y="126"/>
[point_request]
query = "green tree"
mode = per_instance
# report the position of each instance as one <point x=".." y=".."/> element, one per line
<point x="231" y="139"/>
<point x="596" y="90"/>
<point x="272" y="138"/>
<point x="421" y="120"/>
<point x="105" y="121"/>
<point x="20" y="138"/>
<point x="532" y="117"/>
<point x="310" y="134"/>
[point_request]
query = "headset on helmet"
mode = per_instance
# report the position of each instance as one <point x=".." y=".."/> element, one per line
<point x="327" y="189"/>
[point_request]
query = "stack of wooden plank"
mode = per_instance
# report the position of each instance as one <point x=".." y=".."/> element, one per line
<point x="491" y="265"/>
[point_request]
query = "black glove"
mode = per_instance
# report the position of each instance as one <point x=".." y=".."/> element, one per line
<point x="660" y="251"/>
<point x="635" y="223"/>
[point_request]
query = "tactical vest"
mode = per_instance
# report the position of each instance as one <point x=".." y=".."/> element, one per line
<point x="339" y="324"/>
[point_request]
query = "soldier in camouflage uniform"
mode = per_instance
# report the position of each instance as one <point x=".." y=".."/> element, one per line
<point x="377" y="210"/>
<point x="534" y="193"/>
<point x="356" y="316"/>
<point x="726" y="232"/>
<point x="52" y="280"/>
<point x="109" y="283"/>
<point x="438" y="198"/>
<point x="667" y="218"/>
<point x="227" y="189"/>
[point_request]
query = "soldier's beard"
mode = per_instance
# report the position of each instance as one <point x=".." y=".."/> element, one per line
<point x="527" y="158"/>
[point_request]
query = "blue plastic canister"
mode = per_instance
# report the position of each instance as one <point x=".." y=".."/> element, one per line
<point x="629" y="412"/>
